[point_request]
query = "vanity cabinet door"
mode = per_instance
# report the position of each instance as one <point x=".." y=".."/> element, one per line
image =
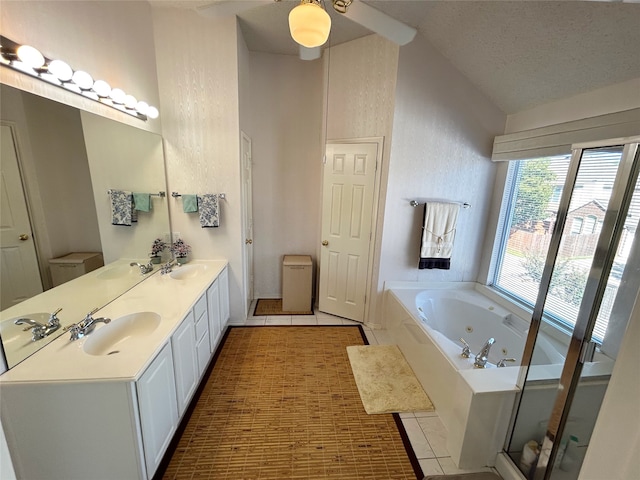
<point x="183" y="343"/>
<point x="158" y="409"/>
<point x="223" y="282"/>
<point x="213" y="303"/>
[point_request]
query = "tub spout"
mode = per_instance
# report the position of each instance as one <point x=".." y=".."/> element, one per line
<point x="483" y="354"/>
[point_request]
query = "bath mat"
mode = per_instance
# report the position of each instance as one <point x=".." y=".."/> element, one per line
<point x="466" y="476"/>
<point x="281" y="403"/>
<point x="385" y="380"/>
<point x="273" y="306"/>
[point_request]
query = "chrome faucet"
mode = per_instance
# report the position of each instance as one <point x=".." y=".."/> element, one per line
<point x="144" y="269"/>
<point x="483" y="354"/>
<point x="41" y="330"/>
<point x="466" y="350"/>
<point x="86" y="326"/>
<point x="167" y="267"/>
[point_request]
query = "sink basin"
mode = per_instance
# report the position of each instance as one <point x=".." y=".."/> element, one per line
<point x="116" y="272"/>
<point x="187" y="271"/>
<point x="121" y="334"/>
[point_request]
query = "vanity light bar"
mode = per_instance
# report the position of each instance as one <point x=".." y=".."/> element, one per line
<point x="29" y="60"/>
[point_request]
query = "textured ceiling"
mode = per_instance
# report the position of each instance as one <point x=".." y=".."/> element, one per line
<point x="519" y="53"/>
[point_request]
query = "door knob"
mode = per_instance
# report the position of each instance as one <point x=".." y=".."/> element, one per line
<point x="325" y="243"/>
<point x="24" y="237"/>
<point x="248" y="241"/>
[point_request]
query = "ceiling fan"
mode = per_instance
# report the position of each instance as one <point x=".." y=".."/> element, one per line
<point x="355" y="10"/>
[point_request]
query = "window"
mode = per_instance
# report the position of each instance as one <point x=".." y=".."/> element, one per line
<point x="576" y="226"/>
<point x="530" y="207"/>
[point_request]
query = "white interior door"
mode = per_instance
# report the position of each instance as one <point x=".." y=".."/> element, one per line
<point x="18" y="261"/>
<point x="347" y="214"/>
<point x="247" y="219"/>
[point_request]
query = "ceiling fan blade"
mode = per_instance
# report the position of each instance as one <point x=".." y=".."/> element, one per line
<point x="310" y="53"/>
<point x="381" y="23"/>
<point x="226" y="8"/>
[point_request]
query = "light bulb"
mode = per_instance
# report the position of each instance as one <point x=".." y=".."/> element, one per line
<point x="82" y="79"/>
<point x="102" y="88"/>
<point x="152" y="112"/>
<point x="309" y="25"/>
<point x="117" y="95"/>
<point x="30" y="56"/>
<point x="142" y="108"/>
<point x="61" y="70"/>
<point x="130" y="102"/>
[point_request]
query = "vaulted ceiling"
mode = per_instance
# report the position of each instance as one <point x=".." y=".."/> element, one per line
<point x="519" y="53"/>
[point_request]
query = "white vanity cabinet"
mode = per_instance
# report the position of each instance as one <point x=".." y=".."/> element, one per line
<point x="185" y="361"/>
<point x="218" y="304"/>
<point x="156" y="390"/>
<point x="100" y="417"/>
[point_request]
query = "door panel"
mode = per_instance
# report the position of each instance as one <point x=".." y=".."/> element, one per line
<point x="347" y="211"/>
<point x="17" y="248"/>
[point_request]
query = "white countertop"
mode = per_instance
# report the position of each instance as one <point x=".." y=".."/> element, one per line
<point x="66" y="361"/>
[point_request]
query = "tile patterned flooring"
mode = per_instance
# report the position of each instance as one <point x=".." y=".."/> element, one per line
<point x="425" y="430"/>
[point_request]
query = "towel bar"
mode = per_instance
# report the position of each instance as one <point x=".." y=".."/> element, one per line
<point x="221" y="196"/>
<point x="414" y="203"/>
<point x="159" y="194"/>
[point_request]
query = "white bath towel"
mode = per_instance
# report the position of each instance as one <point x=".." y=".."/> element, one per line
<point x="121" y="207"/>
<point x="438" y="232"/>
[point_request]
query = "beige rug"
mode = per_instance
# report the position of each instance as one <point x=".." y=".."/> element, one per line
<point x="385" y="380"/>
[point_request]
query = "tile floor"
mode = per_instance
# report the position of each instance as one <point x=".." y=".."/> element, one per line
<point x="425" y="430"/>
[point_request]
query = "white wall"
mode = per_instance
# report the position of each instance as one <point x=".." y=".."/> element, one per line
<point x="286" y="126"/>
<point x="361" y="98"/>
<point x="197" y="62"/>
<point x="443" y="134"/>
<point x="611" y="99"/>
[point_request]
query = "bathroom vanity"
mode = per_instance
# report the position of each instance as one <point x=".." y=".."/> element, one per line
<point x="107" y="405"/>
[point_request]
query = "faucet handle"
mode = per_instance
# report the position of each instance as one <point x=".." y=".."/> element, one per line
<point x="502" y="362"/>
<point x="91" y="313"/>
<point x="466" y="350"/>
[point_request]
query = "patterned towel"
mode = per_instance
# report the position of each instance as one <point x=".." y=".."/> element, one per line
<point x="121" y="207"/>
<point x="208" y="208"/>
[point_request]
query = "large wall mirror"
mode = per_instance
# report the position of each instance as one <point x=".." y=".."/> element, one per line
<point x="58" y="166"/>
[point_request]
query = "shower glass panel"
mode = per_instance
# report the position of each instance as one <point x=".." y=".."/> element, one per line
<point x="572" y="293"/>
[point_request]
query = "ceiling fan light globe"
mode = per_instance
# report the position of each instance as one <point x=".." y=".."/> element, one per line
<point x="309" y="25"/>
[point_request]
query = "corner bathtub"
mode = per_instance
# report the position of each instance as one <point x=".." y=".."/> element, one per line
<point x="474" y="404"/>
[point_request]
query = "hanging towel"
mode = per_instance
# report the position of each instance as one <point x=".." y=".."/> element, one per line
<point x="142" y="202"/>
<point x="189" y="203"/>
<point x="438" y="231"/>
<point x="208" y="208"/>
<point x="121" y="207"/>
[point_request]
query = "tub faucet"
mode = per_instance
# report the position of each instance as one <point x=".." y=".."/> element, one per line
<point x="40" y="330"/>
<point x="466" y="350"/>
<point x="86" y="326"/>
<point x="144" y="269"/>
<point x="483" y="354"/>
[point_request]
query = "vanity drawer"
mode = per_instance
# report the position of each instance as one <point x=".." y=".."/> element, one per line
<point x="200" y="307"/>
<point x="202" y="327"/>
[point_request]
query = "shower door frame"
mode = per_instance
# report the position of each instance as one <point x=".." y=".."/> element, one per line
<point x="580" y="346"/>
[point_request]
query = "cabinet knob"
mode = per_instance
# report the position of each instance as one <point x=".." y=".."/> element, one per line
<point x="325" y="243"/>
<point x="24" y="237"/>
<point x="248" y="241"/>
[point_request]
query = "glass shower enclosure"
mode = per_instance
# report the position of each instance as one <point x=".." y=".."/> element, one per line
<point x="588" y="287"/>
